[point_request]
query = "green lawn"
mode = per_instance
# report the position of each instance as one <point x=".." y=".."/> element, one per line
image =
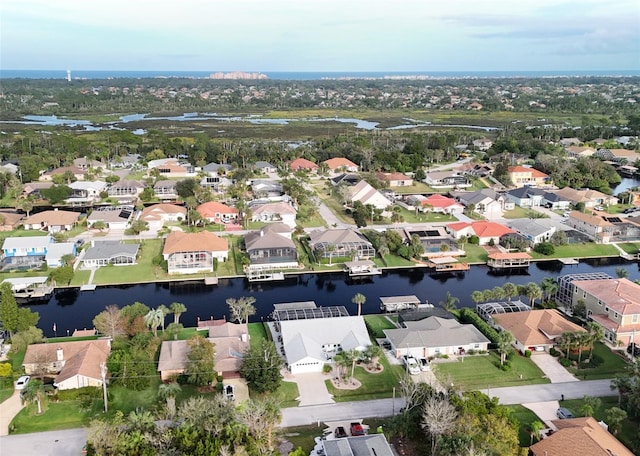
<point x="57" y="415"/>
<point x="630" y="247"/>
<point x="6" y="388"/>
<point x="394" y="261"/>
<point x="374" y="386"/>
<point x="376" y="323"/>
<point x="475" y="254"/>
<point x="480" y="372"/>
<point x="613" y="364"/>
<point x="580" y="251"/>
<point x="286" y="394"/>
<point x="257" y="332"/>
<point x="424" y="217"/>
<point x="525" y="417"/>
<point x="517" y="212"/>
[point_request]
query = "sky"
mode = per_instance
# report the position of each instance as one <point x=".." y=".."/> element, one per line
<point x="320" y="35"/>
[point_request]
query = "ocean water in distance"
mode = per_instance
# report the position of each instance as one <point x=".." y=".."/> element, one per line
<point x="301" y="76"/>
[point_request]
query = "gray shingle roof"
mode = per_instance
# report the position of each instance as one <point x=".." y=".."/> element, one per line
<point x="109" y="249"/>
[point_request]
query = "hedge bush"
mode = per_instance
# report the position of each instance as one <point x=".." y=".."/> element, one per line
<point x="469" y="316"/>
<point x="92" y="392"/>
<point x="527" y="353"/>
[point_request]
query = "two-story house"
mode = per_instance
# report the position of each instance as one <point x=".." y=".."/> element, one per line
<point x="271" y="247"/>
<point x="165" y="190"/>
<point x="522" y="176"/>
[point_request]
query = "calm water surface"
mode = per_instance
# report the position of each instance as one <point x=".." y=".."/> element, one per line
<point x="72" y="309"/>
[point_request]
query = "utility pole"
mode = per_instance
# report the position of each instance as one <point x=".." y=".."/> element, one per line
<point x="103" y="373"/>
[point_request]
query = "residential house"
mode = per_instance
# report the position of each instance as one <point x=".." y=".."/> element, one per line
<point x="584" y="436"/>
<point x="85" y="163"/>
<point x="526" y="196"/>
<point x="340" y="165"/>
<point x="441" y="204"/>
<point x="170" y="167"/>
<point x="362" y="445"/>
<point x="266" y="188"/>
<point x="86" y="192"/>
<point x="264" y="167"/>
<point x="217" y="169"/>
<point x="618" y="155"/>
<point x="10" y="219"/>
<point x="159" y="214"/>
<point x="345" y="179"/>
<point x="34" y="189"/>
<point x="52" y="221"/>
<point x="103" y="253"/>
<point x="535" y="330"/>
<point x="165" y="190"/>
<point x="612" y="303"/>
<point x="217" y="212"/>
<point x="190" y="253"/>
<point x="271" y="247"/>
<point x="568" y="142"/>
<point x="551" y="199"/>
<point x="275" y="212"/>
<point x="75" y="364"/>
<point x="447" y="179"/>
<point x="310" y="340"/>
<point x="216" y="184"/>
<point x="486" y="202"/>
<point x="126" y="161"/>
<point x="593" y="225"/>
<point x="531" y="230"/>
<point x="32" y="252"/>
<point x="340" y="243"/>
<point x="73" y="171"/>
<point x="435" y="336"/>
<point x="367" y="195"/>
<point x="435" y="241"/>
<point x="302" y="164"/>
<point x="590" y="198"/>
<point x="482" y="144"/>
<point x="231" y="340"/>
<point x="395" y="179"/>
<point x="485" y="230"/>
<point x="114" y="217"/>
<point x="9" y="166"/>
<point x="578" y="152"/>
<point x="125" y="190"/>
<point x="522" y="176"/>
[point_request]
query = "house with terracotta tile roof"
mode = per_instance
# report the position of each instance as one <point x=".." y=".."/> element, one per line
<point x="583" y="436"/>
<point x="302" y="164"/>
<point x="159" y="214"/>
<point x="231" y="340"/>
<point x="52" y="221"/>
<point x="485" y="230"/>
<point x="612" y="303"/>
<point x="395" y="179"/>
<point x="10" y="219"/>
<point x="75" y="364"/>
<point x="535" y="330"/>
<point x="191" y="253"/>
<point x="340" y="165"/>
<point x="275" y="212"/>
<point x="441" y="203"/>
<point x="217" y="212"/>
<point x="522" y="176"/>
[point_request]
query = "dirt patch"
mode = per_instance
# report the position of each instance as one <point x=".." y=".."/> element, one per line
<point x="207" y="389"/>
<point x="350" y="384"/>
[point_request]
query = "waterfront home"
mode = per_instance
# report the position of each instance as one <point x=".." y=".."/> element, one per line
<point x="302" y="164"/>
<point x="165" y="190"/>
<point x="231" y="340"/>
<point x="52" y="221"/>
<point x="340" y="165"/>
<point x="114" y="217"/>
<point x="310" y="336"/>
<point x="584" y="436"/>
<point x="340" y="243"/>
<point x="86" y="192"/>
<point x="157" y="215"/>
<point x="190" y="253"/>
<point x="435" y="241"/>
<point x="271" y="247"/>
<point x="522" y="176"/>
<point x="34" y="189"/>
<point x="486" y="231"/>
<point x="619" y="156"/>
<point x="535" y="330"/>
<point x="216" y="212"/>
<point x="367" y="195"/>
<point x="612" y="303"/>
<point x="10" y="219"/>
<point x="446" y="179"/>
<point x="435" y="336"/>
<point x="590" y="198"/>
<point x="102" y="253"/>
<point x="275" y="212"/>
<point x="531" y="230"/>
<point x="598" y="228"/>
<point x="75" y="364"/>
<point x="125" y="190"/>
<point x="32" y="252"/>
<point x="395" y="179"/>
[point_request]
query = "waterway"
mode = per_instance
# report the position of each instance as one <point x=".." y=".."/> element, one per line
<point x="71" y="309"/>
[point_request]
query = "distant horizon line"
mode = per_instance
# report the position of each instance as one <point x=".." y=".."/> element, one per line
<point x="65" y="69"/>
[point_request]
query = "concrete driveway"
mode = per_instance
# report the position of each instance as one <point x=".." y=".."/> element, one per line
<point x="8" y="410"/>
<point x="546" y="411"/>
<point x="312" y="388"/>
<point x="552" y="369"/>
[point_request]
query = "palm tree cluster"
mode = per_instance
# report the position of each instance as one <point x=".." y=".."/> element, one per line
<point x="508" y="291"/>
<point x="577" y="341"/>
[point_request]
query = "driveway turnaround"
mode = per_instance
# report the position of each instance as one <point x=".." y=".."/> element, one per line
<point x="552" y="369"/>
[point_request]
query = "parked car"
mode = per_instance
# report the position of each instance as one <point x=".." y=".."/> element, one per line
<point x="22" y="382"/>
<point x="598" y="208"/>
<point x="357" y="429"/>
<point x="564" y="413"/>
<point x="340" y="432"/>
<point x="424" y="364"/>
<point x="412" y="365"/>
<point x="633" y="349"/>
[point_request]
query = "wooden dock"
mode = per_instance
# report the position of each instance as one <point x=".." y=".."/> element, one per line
<point x="264" y="276"/>
<point x="362" y="268"/>
<point x="509" y="260"/>
<point x="211" y="281"/>
<point x="568" y="261"/>
<point x="447" y="264"/>
<point x="88" y="287"/>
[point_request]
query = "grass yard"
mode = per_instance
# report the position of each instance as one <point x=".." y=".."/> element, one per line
<point x="425" y="217"/>
<point x="376" y="323"/>
<point x="286" y="394"/>
<point x="394" y="261"/>
<point x="374" y="386"/>
<point x="257" y="332"/>
<point x="475" y="254"/>
<point x="57" y="415"/>
<point x="480" y="372"/>
<point x="588" y="250"/>
<point x="613" y="364"/>
<point x="630" y="247"/>
<point x="525" y="417"/>
<point x="517" y="212"/>
<point x="6" y="388"/>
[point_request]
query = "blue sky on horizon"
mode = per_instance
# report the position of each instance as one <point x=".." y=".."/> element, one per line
<point x="320" y="35"/>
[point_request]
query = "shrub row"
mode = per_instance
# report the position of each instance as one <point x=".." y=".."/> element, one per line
<point x="469" y="316"/>
<point x="92" y="392"/>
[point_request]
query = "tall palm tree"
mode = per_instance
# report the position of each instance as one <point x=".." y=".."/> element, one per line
<point x="165" y="311"/>
<point x="153" y="319"/>
<point x="498" y="293"/>
<point x="477" y="296"/>
<point x="359" y="299"/>
<point x="168" y="392"/>
<point x="177" y="308"/>
<point x="535" y="428"/>
<point x="533" y="292"/>
<point x="549" y="288"/>
<point x="510" y="290"/>
<point x="449" y="304"/>
<point x="34" y="392"/>
<point x="505" y="339"/>
<point x="596" y="333"/>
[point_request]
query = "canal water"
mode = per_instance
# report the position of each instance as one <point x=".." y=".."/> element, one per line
<point x="71" y="309"/>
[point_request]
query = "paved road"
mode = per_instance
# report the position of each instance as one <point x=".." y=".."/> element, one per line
<point x="52" y="443"/>
<point x="551" y="391"/>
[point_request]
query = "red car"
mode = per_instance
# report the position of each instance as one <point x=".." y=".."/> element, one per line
<point x="357" y="429"/>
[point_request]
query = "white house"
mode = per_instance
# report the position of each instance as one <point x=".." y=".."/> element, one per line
<point x="275" y="212"/>
<point x="366" y="194"/>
